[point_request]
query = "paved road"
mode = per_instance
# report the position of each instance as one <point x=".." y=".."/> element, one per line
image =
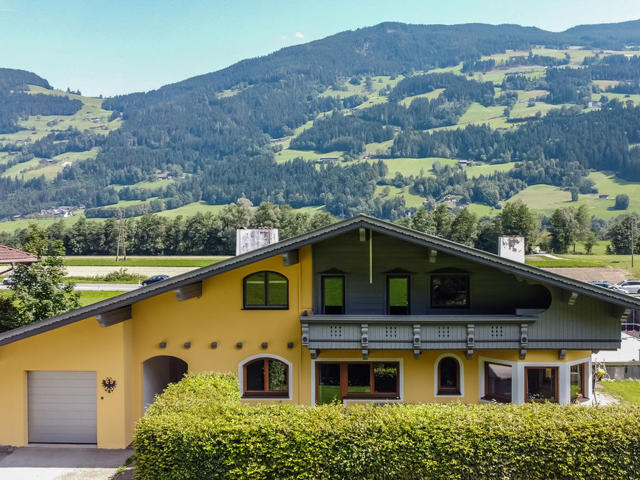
<point x="61" y="463"/>
<point x="100" y="287"/>
<point x="106" y="287"/>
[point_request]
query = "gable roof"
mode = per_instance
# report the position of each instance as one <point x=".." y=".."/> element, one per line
<point x="10" y="255"/>
<point x="359" y="221"/>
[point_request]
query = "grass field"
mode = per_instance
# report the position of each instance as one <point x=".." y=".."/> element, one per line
<point x="140" y="261"/>
<point x="87" y="298"/>
<point x="627" y="391"/>
<point x="411" y="200"/>
<point x="546" y="198"/>
<point x="430" y="95"/>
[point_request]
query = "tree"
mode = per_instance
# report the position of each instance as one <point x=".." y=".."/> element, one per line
<point x="442" y="219"/>
<point x="622" y="202"/>
<point x="39" y="290"/>
<point x="517" y="219"/>
<point x="574" y="194"/>
<point x="564" y="228"/>
<point x="589" y="242"/>
<point x="620" y="234"/>
<point x="464" y="228"/>
<point x="423" y="221"/>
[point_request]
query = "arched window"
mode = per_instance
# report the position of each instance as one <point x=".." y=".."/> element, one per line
<point x="266" y="290"/>
<point x="448" y="376"/>
<point x="265" y="377"/>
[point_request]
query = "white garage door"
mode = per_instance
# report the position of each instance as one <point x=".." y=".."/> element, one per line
<point x="62" y="407"/>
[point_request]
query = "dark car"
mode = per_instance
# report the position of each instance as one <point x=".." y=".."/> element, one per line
<point x="8" y="281"/>
<point x="154" y="279"/>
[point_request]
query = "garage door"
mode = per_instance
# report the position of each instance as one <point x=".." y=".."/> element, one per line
<point x="62" y="407"/>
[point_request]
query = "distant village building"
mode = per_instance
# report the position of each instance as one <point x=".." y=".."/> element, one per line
<point x="593" y="104"/>
<point x="603" y="196"/>
<point x="465" y="163"/>
<point x="329" y="159"/>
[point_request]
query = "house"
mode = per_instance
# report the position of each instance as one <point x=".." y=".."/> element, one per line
<point x="9" y="257"/>
<point x="624" y="362"/>
<point x="359" y="311"/>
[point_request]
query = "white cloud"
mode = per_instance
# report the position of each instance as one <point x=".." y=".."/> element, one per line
<point x="299" y="35"/>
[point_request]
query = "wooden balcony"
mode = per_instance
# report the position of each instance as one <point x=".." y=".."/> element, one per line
<point x="415" y="332"/>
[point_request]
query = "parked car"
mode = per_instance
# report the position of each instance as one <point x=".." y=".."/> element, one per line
<point x="617" y="289"/>
<point x="8" y="281"/>
<point x="154" y="279"/>
<point x="602" y="284"/>
<point x="630" y="286"/>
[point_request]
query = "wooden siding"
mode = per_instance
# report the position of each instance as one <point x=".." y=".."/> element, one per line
<point x="586" y="324"/>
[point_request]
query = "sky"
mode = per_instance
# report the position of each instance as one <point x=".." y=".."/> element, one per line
<point x="116" y="46"/>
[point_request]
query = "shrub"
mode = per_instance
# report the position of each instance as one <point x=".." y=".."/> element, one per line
<point x="199" y="429"/>
<point x="122" y="275"/>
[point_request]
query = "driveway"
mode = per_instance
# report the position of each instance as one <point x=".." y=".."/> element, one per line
<point x="61" y="463"/>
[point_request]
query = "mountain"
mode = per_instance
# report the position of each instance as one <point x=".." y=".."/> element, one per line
<point x="328" y="123"/>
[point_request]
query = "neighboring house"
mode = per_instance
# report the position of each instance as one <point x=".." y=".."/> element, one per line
<point x="625" y="361"/>
<point x="360" y="311"/>
<point x="9" y="257"/>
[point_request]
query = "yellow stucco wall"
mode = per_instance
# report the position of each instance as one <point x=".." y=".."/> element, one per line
<point x="120" y="350"/>
<point x="80" y="346"/>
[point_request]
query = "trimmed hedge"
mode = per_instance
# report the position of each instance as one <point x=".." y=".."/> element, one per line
<point x="198" y="429"/>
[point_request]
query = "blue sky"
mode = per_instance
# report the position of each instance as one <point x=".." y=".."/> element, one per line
<point x="118" y="46"/>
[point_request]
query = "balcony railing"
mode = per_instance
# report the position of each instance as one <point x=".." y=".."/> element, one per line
<point x="415" y="332"/>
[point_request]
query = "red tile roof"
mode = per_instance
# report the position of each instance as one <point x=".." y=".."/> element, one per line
<point x="13" y="255"/>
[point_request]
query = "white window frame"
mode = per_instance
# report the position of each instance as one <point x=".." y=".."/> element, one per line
<point x="518" y="378"/>
<point x="436" y="366"/>
<point x="360" y="360"/>
<point x="258" y="397"/>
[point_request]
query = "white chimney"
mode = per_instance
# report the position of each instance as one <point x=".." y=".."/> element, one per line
<point x="248" y="239"/>
<point x="511" y="247"/>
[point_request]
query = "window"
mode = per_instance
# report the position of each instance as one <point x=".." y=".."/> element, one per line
<point x="398" y="295"/>
<point x="266" y="377"/>
<point x="541" y="384"/>
<point x="497" y="382"/>
<point x="333" y="295"/>
<point x="579" y="382"/>
<point x="336" y="381"/>
<point x="450" y="291"/>
<point x="448" y="376"/>
<point x="266" y="290"/>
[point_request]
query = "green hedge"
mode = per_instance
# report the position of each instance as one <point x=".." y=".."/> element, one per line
<point x="198" y="429"/>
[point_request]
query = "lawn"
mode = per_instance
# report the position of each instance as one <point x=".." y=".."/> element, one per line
<point x="140" y="261"/>
<point x="87" y="298"/>
<point x="627" y="391"/>
<point x="191" y="209"/>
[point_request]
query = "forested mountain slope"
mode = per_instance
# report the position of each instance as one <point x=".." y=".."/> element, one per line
<point x="326" y="123"/>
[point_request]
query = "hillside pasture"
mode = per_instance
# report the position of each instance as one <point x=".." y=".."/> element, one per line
<point x="546" y="198"/>
<point x="48" y="167"/>
<point x="430" y="95"/>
